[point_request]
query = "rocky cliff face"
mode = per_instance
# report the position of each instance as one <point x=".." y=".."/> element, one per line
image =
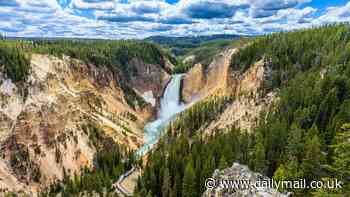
<point x="239" y="181"/>
<point x="41" y="134"/>
<point x="149" y="80"/>
<point x="250" y="99"/>
<point x="200" y="82"/>
<point x="246" y="88"/>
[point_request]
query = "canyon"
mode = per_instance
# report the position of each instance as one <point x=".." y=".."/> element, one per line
<point x="200" y="83"/>
<point x="42" y="135"/>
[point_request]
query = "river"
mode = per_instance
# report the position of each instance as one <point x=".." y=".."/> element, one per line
<point x="170" y="105"/>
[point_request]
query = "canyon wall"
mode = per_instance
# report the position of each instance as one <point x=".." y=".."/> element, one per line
<point x="247" y="88"/>
<point x="42" y="136"/>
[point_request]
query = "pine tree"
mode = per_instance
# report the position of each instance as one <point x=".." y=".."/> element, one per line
<point x="188" y="183"/>
<point x="227" y="150"/>
<point x="259" y="158"/>
<point x="312" y="160"/>
<point x="313" y="131"/>
<point x="281" y="174"/>
<point x="166" y="187"/>
<point x="294" y="172"/>
<point x="327" y="110"/>
<point x="223" y="163"/>
<point x="275" y="141"/>
<point x="341" y="156"/>
<point x="295" y="142"/>
<point x="177" y="188"/>
<point x="149" y="194"/>
<point x="153" y="182"/>
<point x="206" y="172"/>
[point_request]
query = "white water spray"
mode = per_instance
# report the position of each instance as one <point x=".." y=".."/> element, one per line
<point x="170" y="105"/>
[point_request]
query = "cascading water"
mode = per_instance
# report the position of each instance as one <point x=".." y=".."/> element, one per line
<point x="170" y="105"/>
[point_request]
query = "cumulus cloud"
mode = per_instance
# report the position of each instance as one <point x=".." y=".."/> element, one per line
<point x="291" y="15"/>
<point x="337" y="14"/>
<point x="144" y="7"/>
<point x="133" y="11"/>
<point x="140" y="18"/>
<point x="93" y="4"/>
<point x="265" y="8"/>
<point x="207" y="9"/>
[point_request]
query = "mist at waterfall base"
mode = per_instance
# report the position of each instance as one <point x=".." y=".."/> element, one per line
<point x="170" y="105"/>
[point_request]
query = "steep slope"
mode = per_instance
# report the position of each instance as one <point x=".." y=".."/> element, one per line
<point x="246" y="87"/>
<point x="43" y="137"/>
<point x="301" y="80"/>
<point x="200" y="82"/>
<point x="225" y="100"/>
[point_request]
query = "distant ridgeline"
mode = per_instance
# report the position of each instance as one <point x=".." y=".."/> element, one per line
<point x="116" y="55"/>
<point x="189" y="42"/>
<point x="201" y="48"/>
<point x="306" y="135"/>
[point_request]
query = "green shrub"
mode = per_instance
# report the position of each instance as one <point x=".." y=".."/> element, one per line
<point x="15" y="62"/>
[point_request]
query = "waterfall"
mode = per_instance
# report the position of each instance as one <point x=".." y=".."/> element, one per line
<point x="170" y="105"/>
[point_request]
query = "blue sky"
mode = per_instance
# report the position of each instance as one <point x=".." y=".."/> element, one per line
<point x="120" y="19"/>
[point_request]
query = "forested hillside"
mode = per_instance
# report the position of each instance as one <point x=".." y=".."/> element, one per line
<point x="181" y="45"/>
<point x="305" y="135"/>
<point x="72" y="111"/>
<point x="294" y="52"/>
<point x="200" y="49"/>
<point x="14" y="61"/>
<point x="205" y="53"/>
<point x="116" y="55"/>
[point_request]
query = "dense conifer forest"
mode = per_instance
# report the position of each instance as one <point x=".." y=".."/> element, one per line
<point x="306" y="135"/>
<point x="116" y="55"/>
<point x="14" y="62"/>
<point x="299" y="51"/>
<point x="180" y="46"/>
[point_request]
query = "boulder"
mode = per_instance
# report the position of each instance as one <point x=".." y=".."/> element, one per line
<point x="244" y="183"/>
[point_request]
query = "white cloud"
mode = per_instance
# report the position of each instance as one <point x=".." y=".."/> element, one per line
<point x="210" y="8"/>
<point x="148" y="6"/>
<point x="265" y="8"/>
<point x="141" y="18"/>
<point x="336" y="14"/>
<point x="99" y="5"/>
<point x="291" y="15"/>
